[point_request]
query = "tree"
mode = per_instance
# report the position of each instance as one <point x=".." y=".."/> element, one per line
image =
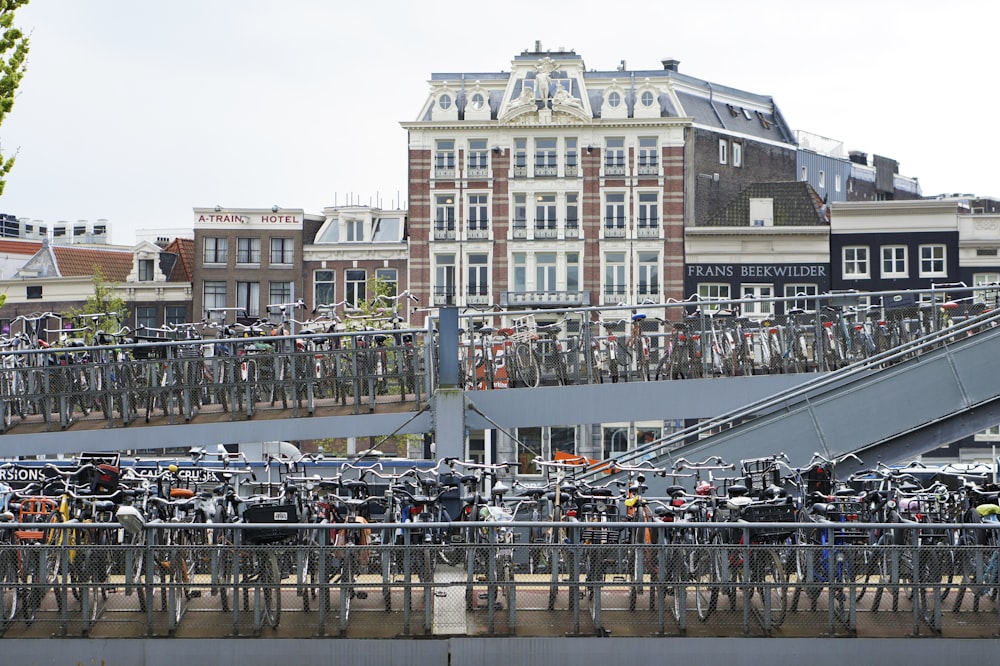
<point x="104" y="311"/>
<point x="372" y="312"/>
<point x="13" y="62"/>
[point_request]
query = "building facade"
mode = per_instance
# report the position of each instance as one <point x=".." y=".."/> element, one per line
<point x="246" y="260"/>
<point x="552" y="185"/>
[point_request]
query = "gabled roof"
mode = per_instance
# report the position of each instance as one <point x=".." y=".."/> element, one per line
<point x="183" y="269"/>
<point x="794" y="203"/>
<point x="115" y="265"/>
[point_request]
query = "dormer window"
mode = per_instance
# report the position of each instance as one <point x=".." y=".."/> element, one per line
<point x="647" y="99"/>
<point x="478" y="101"/>
<point x="444" y="101"/>
<point x="614" y="99"/>
<point x="145" y="270"/>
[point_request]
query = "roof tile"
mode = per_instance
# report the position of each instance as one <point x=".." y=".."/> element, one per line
<point x="115" y="265"/>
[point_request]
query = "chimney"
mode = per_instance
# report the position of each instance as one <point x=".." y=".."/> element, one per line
<point x="670" y="64"/>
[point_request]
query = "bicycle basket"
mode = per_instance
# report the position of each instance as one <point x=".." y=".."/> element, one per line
<point x="525" y="328"/>
<point x="269" y="513"/>
<point x="767" y="512"/>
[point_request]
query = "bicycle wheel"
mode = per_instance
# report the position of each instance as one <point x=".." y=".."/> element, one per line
<point x="768" y="581"/>
<point x="705" y="574"/>
<point x="10" y="584"/>
<point x="269" y="579"/>
<point x="527" y="365"/>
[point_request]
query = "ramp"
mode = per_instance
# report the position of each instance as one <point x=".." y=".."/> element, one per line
<point x="931" y="392"/>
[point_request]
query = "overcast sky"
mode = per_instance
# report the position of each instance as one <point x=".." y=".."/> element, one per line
<point x="139" y="111"/>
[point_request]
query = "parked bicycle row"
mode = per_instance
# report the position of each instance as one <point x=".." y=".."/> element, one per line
<point x="174" y="373"/>
<point x="761" y="535"/>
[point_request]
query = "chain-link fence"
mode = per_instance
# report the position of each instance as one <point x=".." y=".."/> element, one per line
<point x="524" y="579"/>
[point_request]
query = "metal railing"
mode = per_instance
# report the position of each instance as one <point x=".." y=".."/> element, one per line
<point x="517" y="578"/>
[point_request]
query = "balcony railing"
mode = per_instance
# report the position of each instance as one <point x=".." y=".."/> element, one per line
<point x="444" y="296"/>
<point x="614" y="232"/>
<point x="533" y="299"/>
<point x="520" y="172"/>
<point x="647" y="232"/>
<point x="477" y="233"/>
<point x="546" y="232"/>
<point x="648" y="169"/>
<point x="477" y="299"/>
<point x="444" y="234"/>
<point x="546" y="171"/>
<point x="614" y="169"/>
<point x="572" y="171"/>
<point x="519" y="230"/>
<point x="478" y="172"/>
<point x="572" y="230"/>
<point x="444" y="172"/>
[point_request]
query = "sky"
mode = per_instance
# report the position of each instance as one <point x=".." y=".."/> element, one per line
<point x="138" y="111"/>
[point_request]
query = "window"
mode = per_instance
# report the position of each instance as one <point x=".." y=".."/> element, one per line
<point x="478" y="212"/>
<point x="572" y="210"/>
<point x="520" y="278"/>
<point x="520" y="157"/>
<point x="614" y="210"/>
<point x="477" y="283"/>
<point x="649" y="274"/>
<point x="572" y="271"/>
<point x="215" y="296"/>
<point x="215" y="250"/>
<point x="520" y="211"/>
<point x="478" y="101"/>
<point x="855" y="262"/>
<point x="478" y="156"/>
<point x="804" y="174"/>
<point x="545" y="211"/>
<point x="710" y="291"/>
<point x="545" y="271"/>
<point x="324" y="283"/>
<point x="737" y="154"/>
<point x="247" y="250"/>
<point x="444" y="212"/>
<point x="145" y="270"/>
<point x="571" y="156"/>
<point x="648" y="209"/>
<point x="354" y="286"/>
<point x="280" y="293"/>
<point x="647" y="99"/>
<point x="444" y="279"/>
<point x="988" y="296"/>
<point x="145" y="316"/>
<point x="894" y="261"/>
<point x="175" y="314"/>
<point x="444" y="156"/>
<point x="546" y="157"/>
<point x="445" y="101"/>
<point x="562" y="439"/>
<point x="836" y="182"/>
<point x="723" y="151"/>
<point x="803" y="290"/>
<point x="648" y="155"/>
<point x="248" y="298"/>
<point x="355" y="231"/>
<point x="33" y="292"/>
<point x="932" y="261"/>
<point x="821" y="177"/>
<point x="616" y="441"/>
<point x="614" y="99"/>
<point x="529" y="447"/>
<point x="79" y="230"/>
<point x="389" y="279"/>
<point x="282" y="251"/>
<point x="764" y="294"/>
<point x="614" y="276"/>
<point x="100" y="229"/>
<point x="614" y="156"/>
